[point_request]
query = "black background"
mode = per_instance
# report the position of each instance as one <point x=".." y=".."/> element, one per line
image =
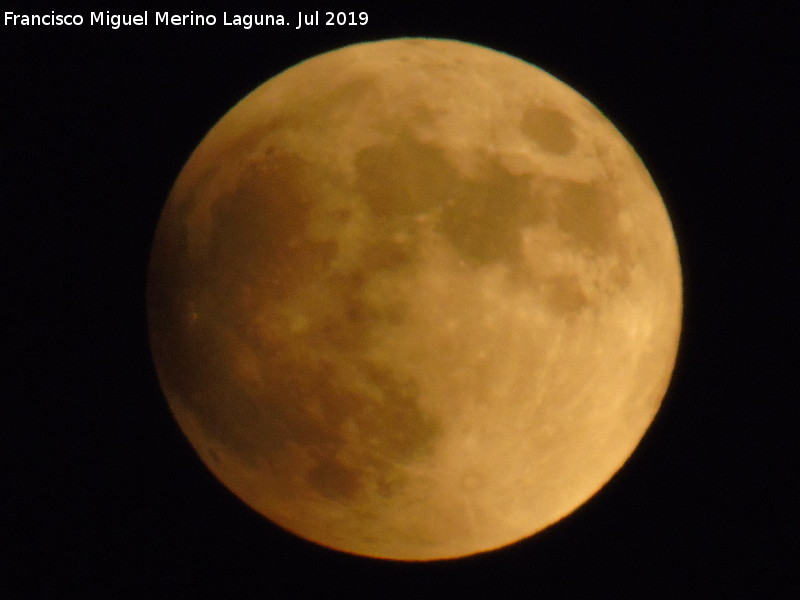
<point x="104" y="498"/>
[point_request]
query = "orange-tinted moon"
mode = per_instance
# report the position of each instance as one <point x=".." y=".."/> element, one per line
<point x="414" y="299"/>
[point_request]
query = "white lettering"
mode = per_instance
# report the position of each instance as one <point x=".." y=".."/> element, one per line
<point x="164" y="18"/>
<point x="248" y="21"/>
<point x="48" y="20"/>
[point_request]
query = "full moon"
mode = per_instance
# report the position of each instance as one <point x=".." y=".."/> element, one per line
<point x="414" y="299"/>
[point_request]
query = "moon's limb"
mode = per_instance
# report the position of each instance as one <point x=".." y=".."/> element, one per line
<point x="414" y="299"/>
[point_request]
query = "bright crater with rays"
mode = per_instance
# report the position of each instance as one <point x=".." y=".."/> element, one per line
<point x="414" y="299"/>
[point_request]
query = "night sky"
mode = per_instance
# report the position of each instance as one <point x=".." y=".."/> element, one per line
<point x="102" y="494"/>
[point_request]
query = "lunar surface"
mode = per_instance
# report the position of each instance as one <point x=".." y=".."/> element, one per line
<point x="414" y="299"/>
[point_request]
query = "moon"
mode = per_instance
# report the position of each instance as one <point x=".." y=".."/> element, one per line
<point x="414" y="299"/>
